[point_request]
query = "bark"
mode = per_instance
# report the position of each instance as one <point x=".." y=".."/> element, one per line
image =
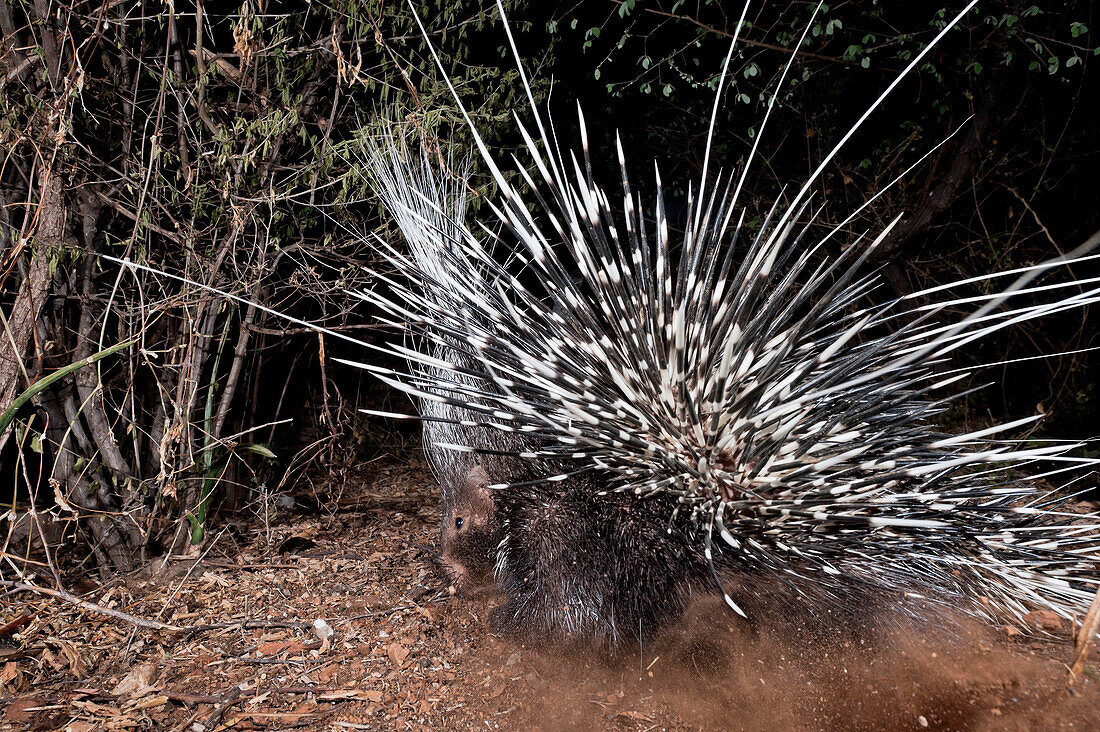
<point x="13" y="64"/>
<point x="48" y="232"/>
<point x="108" y="543"/>
<point x="49" y="42"/>
<point x="88" y="386"/>
<point x="938" y="197"/>
<point x="239" y="354"/>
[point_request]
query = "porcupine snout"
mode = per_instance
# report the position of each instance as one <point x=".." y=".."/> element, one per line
<point x="468" y="534"/>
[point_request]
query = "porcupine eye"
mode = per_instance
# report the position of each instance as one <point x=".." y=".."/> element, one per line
<point x="459" y="522"/>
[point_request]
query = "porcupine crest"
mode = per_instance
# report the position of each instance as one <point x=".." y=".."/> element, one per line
<point x="429" y="208"/>
<point x="742" y="378"/>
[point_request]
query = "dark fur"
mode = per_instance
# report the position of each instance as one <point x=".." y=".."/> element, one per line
<point x="469" y="533"/>
<point x="577" y="566"/>
<point x="574" y="564"/>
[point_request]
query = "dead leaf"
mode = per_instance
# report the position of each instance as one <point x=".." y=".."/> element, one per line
<point x="137" y="682"/>
<point x="76" y="662"/>
<point x="397" y="653"/>
<point x="100" y="710"/>
<point x="19" y="710"/>
<point x="9" y="673"/>
<point x="274" y="648"/>
<point x="150" y="702"/>
<point x="635" y="715"/>
<point x="339" y="695"/>
<point x="328" y="673"/>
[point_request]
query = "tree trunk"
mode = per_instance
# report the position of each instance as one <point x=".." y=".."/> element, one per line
<point x="47" y="233"/>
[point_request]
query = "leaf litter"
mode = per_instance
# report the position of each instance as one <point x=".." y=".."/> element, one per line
<point x="352" y="627"/>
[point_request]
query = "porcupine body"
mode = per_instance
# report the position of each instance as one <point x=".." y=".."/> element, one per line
<point x="570" y="559"/>
<point x="575" y="562"/>
<point x="731" y="416"/>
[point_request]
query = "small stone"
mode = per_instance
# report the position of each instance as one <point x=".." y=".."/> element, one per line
<point x="1043" y="620"/>
<point x="322" y="629"/>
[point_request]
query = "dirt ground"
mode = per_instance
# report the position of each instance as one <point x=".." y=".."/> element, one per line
<point x="404" y="654"/>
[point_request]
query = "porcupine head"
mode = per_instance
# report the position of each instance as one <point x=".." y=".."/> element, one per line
<point x="469" y="533"/>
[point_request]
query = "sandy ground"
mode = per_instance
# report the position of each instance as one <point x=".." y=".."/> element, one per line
<point x="404" y="654"/>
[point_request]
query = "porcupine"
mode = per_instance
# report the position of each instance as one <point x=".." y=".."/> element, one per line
<point x="654" y="404"/>
<point x="573" y="560"/>
<point x="578" y="564"/>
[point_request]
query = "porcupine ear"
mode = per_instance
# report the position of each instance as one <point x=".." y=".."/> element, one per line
<point x="478" y="491"/>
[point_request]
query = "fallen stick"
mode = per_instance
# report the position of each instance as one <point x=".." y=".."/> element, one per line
<point x="117" y="614"/>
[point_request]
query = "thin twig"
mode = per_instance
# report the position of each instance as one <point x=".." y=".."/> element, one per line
<point x="117" y="614"/>
<point x="745" y="41"/>
<point x="228" y="700"/>
<point x="1034" y="215"/>
<point x="296" y="625"/>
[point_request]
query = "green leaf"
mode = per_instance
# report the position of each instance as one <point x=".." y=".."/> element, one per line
<point x="259" y="450"/>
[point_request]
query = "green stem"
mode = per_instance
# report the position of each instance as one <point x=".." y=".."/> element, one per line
<point x="198" y="519"/>
<point x="9" y="414"/>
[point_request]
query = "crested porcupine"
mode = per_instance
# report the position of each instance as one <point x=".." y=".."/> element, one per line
<point x="630" y="424"/>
